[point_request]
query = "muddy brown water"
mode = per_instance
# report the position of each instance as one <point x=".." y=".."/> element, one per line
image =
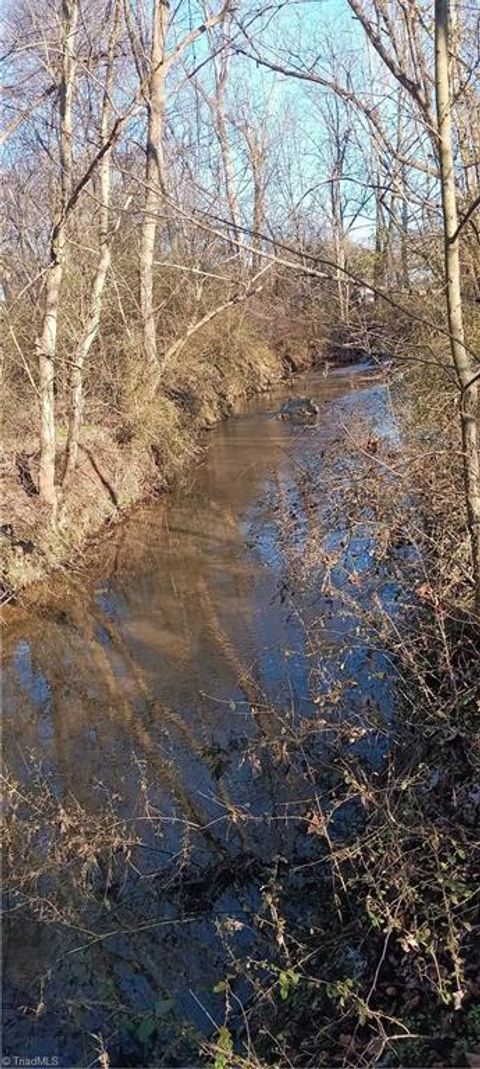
<point x="163" y="684"/>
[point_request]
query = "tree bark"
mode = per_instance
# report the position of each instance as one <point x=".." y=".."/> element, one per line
<point x="339" y="241"/>
<point x="381" y="244"/>
<point x="47" y="341"/>
<point x="92" y="324"/>
<point x="257" y="147"/>
<point x="220" y="69"/>
<point x="154" y="177"/>
<point x="460" y="356"/>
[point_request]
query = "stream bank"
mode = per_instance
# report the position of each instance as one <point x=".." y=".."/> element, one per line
<point x="210" y="842"/>
<point x="124" y="461"/>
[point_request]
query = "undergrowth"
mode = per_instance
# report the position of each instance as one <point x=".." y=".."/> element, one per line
<point x="348" y="917"/>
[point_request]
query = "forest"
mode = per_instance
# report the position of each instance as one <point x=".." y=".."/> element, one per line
<point x="209" y="207"/>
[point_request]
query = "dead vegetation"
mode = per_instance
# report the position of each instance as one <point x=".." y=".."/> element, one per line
<point x="165" y="258"/>
<point x="132" y="444"/>
<point x="348" y="917"/>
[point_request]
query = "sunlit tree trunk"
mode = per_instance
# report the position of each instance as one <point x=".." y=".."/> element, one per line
<point x="47" y="341"/>
<point x="221" y="68"/>
<point x="465" y="109"/>
<point x="381" y="243"/>
<point x="461" y="359"/>
<point x="404" y="227"/>
<point x="154" y="176"/>
<point x="339" y="240"/>
<point x="256" y="140"/>
<point x="92" y="324"/>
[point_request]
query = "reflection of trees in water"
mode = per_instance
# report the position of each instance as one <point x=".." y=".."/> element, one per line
<point x="98" y="686"/>
<point x="154" y="928"/>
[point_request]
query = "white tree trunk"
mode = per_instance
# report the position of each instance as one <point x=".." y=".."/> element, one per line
<point x="154" y="178"/>
<point x="92" y="324"/>
<point x="221" y="69"/>
<point x="461" y="359"/>
<point x="339" y="241"/>
<point x="47" y="341"/>
<point x="79" y="357"/>
<point x="46" y="349"/>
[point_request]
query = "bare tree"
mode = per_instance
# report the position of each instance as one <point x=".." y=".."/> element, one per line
<point x="161" y="62"/>
<point x="217" y="103"/>
<point x="92" y="324"/>
<point x="460" y="356"/>
<point x="47" y="341"/>
<point x="154" y="174"/>
<point x="257" y="142"/>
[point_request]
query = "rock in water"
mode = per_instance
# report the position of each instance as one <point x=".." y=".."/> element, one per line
<point x="299" y="410"/>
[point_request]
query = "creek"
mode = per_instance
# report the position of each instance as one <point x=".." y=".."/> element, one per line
<point x="176" y="694"/>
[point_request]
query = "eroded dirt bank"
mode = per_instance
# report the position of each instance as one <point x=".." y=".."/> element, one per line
<point x="122" y="462"/>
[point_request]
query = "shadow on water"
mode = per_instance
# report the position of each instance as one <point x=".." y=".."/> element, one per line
<point x="188" y="692"/>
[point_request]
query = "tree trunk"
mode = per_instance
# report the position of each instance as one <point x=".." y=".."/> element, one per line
<point x="339" y="239"/>
<point x="257" y="147"/>
<point x="79" y="357"/>
<point x="154" y="177"/>
<point x="381" y="245"/>
<point x="155" y="181"/>
<point x="404" y="227"/>
<point x="460" y="357"/>
<point x="90" y="330"/>
<point x="47" y="341"/>
<point x="220" y="68"/>
<point x="46" y="349"/>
